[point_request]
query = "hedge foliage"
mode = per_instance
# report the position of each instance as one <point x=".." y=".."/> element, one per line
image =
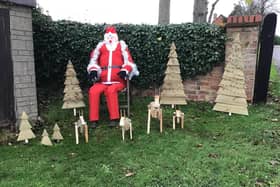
<point x="277" y="40"/>
<point x="199" y="48"/>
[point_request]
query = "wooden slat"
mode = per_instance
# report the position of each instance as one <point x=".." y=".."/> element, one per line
<point x="231" y="92"/>
<point x="237" y="101"/>
<point x="230" y="108"/>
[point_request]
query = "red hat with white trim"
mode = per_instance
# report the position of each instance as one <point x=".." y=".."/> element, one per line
<point x="111" y="29"/>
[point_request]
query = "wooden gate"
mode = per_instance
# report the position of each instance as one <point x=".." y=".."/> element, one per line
<point x="7" y="114"/>
<point x="265" y="58"/>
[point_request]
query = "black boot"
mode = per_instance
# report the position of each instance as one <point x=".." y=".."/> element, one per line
<point x="114" y="123"/>
<point x="93" y="124"/>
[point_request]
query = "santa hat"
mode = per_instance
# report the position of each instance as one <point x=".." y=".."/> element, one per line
<point x="111" y="29"/>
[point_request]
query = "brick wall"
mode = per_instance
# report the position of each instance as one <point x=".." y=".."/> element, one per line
<point x="23" y="59"/>
<point x="204" y="88"/>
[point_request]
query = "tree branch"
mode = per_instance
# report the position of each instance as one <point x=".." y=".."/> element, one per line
<point x="212" y="10"/>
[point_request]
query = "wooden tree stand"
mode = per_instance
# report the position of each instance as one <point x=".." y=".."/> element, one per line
<point x="83" y="127"/>
<point x="178" y="116"/>
<point x="125" y="124"/>
<point x="154" y="111"/>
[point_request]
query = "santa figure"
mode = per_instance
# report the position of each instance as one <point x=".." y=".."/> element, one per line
<point x="110" y="64"/>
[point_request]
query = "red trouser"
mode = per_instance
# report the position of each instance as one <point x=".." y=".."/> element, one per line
<point x="111" y="94"/>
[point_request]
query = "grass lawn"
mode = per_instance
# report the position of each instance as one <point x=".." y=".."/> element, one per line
<point x="214" y="149"/>
<point x="274" y="81"/>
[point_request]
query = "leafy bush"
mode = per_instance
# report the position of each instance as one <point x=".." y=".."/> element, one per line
<point x="199" y="48"/>
<point x="277" y="40"/>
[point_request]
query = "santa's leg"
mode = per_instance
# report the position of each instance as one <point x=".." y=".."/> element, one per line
<point x="94" y="100"/>
<point x="111" y="94"/>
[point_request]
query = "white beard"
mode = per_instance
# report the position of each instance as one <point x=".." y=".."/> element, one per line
<point x="111" y="46"/>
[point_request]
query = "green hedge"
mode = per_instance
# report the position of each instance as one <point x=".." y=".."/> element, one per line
<point x="199" y="48"/>
<point x="277" y="40"/>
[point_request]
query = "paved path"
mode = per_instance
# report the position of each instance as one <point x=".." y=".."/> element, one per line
<point x="276" y="56"/>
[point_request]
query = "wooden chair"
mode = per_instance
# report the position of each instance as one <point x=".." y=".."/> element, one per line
<point x="125" y="99"/>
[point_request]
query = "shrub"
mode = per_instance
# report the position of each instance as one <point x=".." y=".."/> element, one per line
<point x="199" y="48"/>
<point x="277" y="40"/>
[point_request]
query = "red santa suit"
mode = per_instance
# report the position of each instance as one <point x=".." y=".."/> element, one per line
<point x="109" y="58"/>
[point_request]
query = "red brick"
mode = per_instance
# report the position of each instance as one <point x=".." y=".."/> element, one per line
<point x="258" y="18"/>
<point x="246" y="19"/>
<point x="192" y="97"/>
<point x="240" y="19"/>
<point x="229" y="20"/>
<point x="252" y="19"/>
<point x="204" y="83"/>
<point x="234" y="19"/>
<point x="190" y="92"/>
<point x="201" y="98"/>
<point x="215" y="87"/>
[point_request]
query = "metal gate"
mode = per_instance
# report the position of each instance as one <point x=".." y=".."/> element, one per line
<point x="7" y="114"/>
<point x="265" y="58"/>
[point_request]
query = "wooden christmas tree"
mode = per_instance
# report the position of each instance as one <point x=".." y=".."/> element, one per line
<point x="231" y="96"/>
<point x="56" y="133"/>
<point x="25" y="129"/>
<point x="73" y="97"/>
<point x="45" y="138"/>
<point x="172" y="90"/>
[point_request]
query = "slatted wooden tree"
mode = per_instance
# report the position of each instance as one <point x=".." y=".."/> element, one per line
<point x="25" y="129"/>
<point x="45" y="138"/>
<point x="172" y="90"/>
<point x="231" y="95"/>
<point x="56" y="133"/>
<point x="73" y="97"/>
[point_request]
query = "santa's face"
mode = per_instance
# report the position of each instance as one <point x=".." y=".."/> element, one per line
<point x="110" y="38"/>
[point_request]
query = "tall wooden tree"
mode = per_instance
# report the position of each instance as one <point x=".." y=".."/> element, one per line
<point x="164" y="12"/>
<point x="25" y="129"/>
<point x="172" y="90"/>
<point x="73" y="97"/>
<point x="231" y="96"/>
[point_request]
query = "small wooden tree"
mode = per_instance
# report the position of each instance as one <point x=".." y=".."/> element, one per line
<point x="231" y="96"/>
<point x="56" y="133"/>
<point x="45" y="138"/>
<point x="73" y="97"/>
<point x="25" y="129"/>
<point x="172" y="90"/>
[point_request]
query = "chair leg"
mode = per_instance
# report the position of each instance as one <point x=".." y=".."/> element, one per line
<point x="182" y="122"/>
<point x="149" y="121"/>
<point x="77" y="133"/>
<point x="123" y="133"/>
<point x="130" y="128"/>
<point x="86" y="133"/>
<point x="174" y="122"/>
<point x="160" y="125"/>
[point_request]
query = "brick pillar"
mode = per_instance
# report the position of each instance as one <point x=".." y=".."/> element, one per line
<point x="248" y="28"/>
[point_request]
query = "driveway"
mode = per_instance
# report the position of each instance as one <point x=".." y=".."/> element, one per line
<point x="276" y="56"/>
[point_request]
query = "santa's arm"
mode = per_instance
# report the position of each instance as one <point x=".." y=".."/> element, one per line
<point x="93" y="62"/>
<point x="129" y="66"/>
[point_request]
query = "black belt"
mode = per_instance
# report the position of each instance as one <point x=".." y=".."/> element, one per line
<point x="107" y="67"/>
